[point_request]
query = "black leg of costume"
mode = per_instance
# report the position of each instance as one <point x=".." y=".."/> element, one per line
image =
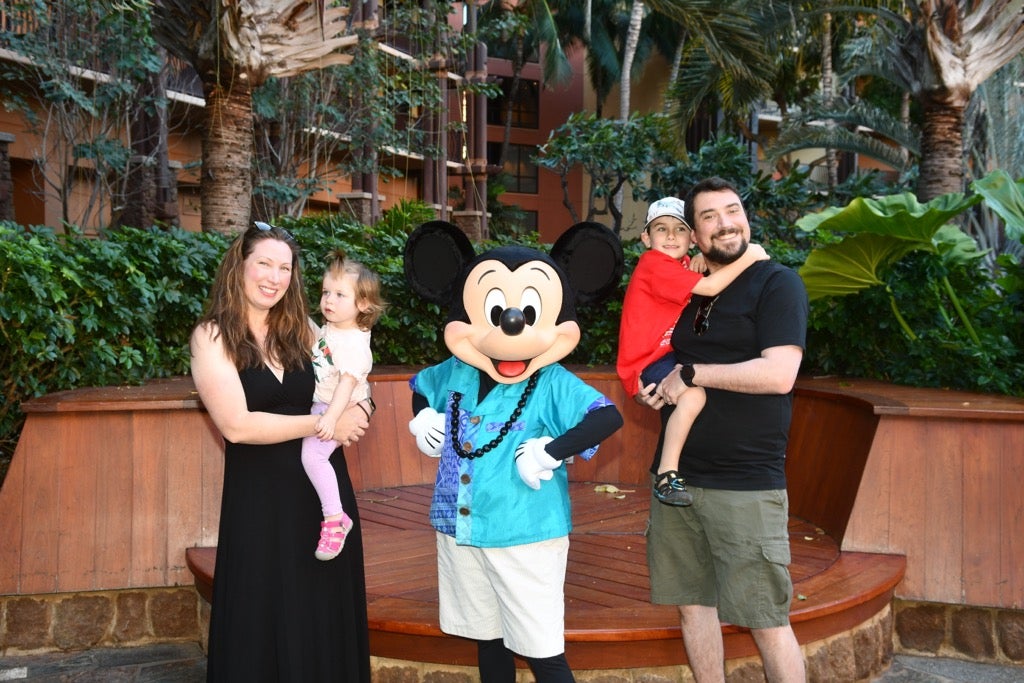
<point x="495" y="661"/>
<point x="551" y="669"/>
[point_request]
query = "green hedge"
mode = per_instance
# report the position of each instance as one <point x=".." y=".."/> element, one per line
<point x="78" y="311"/>
<point x="117" y="310"/>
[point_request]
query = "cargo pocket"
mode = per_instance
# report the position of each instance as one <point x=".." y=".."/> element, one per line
<point x="776" y="552"/>
<point x="779" y="591"/>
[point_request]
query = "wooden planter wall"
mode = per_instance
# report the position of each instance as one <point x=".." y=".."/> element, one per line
<point x="109" y="486"/>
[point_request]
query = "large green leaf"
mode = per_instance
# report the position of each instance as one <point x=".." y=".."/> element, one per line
<point x="955" y="246"/>
<point x="900" y="216"/>
<point x="854" y="264"/>
<point x="1006" y="198"/>
<point x="879" y="232"/>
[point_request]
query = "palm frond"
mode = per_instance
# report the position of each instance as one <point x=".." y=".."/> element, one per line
<point x="557" y="69"/>
<point x="796" y="138"/>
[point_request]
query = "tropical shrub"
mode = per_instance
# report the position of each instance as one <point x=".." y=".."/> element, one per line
<point x="899" y="292"/>
<point x="76" y="311"/>
<point x="922" y="311"/>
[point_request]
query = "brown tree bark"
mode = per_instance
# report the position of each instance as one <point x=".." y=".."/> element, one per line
<point x="942" y="166"/>
<point x="226" y="184"/>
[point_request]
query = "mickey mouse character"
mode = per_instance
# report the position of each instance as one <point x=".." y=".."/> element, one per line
<point x="503" y="415"/>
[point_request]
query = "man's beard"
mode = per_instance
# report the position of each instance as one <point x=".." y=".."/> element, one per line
<point x="722" y="258"/>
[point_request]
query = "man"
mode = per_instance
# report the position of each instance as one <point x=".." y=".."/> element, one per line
<point x="726" y="557"/>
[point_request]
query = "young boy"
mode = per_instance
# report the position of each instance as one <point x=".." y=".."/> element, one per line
<point x="658" y="290"/>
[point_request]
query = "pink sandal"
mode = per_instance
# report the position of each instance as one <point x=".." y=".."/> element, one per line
<point x="332" y="537"/>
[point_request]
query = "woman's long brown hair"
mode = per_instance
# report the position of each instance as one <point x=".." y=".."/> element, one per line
<point x="289" y="338"/>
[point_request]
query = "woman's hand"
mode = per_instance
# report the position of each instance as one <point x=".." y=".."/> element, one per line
<point x="352" y="424"/>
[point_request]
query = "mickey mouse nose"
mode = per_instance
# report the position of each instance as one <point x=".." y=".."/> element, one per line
<point x="512" y="321"/>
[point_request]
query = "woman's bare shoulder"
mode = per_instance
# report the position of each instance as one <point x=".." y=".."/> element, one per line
<point x="204" y="334"/>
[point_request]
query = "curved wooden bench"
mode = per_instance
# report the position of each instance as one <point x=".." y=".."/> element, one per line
<point x="610" y="622"/>
<point x="130" y="477"/>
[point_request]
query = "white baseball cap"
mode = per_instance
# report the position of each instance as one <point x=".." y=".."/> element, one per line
<point x="667" y="206"/>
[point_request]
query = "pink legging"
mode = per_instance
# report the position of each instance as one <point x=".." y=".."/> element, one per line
<point x="316" y="460"/>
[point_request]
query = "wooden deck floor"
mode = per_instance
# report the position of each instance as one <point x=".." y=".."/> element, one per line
<point x="610" y="622"/>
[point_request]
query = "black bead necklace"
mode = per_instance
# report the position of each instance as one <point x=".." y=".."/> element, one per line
<point x="457" y="398"/>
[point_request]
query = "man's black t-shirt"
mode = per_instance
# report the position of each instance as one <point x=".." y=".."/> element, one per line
<point x="738" y="441"/>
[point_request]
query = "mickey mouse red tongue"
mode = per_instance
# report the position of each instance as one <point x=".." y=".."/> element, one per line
<point x="510" y="368"/>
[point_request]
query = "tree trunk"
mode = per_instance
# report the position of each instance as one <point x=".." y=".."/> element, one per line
<point x="636" y="18"/>
<point x="828" y="89"/>
<point x="905" y="120"/>
<point x="150" y="188"/>
<point x="226" y="185"/>
<point x="518" y="62"/>
<point x="673" y="74"/>
<point x="942" y="160"/>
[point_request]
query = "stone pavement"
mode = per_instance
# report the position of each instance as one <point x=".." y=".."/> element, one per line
<point x="186" y="663"/>
<point x="907" y="669"/>
<point x="161" y="663"/>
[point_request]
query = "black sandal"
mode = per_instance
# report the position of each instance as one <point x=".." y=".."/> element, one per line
<point x="670" y="489"/>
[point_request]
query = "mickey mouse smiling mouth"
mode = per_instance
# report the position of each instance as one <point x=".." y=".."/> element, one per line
<point x="510" y="368"/>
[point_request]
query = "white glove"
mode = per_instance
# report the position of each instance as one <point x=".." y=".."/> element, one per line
<point x="534" y="463"/>
<point x="428" y="428"/>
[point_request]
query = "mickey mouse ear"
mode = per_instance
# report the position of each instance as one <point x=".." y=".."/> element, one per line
<point x="591" y="256"/>
<point x="435" y="255"/>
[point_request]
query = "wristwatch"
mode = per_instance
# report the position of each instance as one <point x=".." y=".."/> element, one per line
<point x="686" y="374"/>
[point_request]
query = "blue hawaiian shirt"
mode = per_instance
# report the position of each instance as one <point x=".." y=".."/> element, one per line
<point x="482" y="501"/>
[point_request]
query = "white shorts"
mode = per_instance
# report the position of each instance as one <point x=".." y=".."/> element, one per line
<point x="515" y="593"/>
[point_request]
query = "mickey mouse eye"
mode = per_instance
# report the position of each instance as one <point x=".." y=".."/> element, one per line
<point x="530" y="304"/>
<point x="494" y="305"/>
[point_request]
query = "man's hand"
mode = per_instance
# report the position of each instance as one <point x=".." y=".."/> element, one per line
<point x="428" y="428"/>
<point x="672" y="387"/>
<point x="648" y="396"/>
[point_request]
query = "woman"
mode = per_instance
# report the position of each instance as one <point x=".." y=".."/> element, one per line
<point x="278" y="614"/>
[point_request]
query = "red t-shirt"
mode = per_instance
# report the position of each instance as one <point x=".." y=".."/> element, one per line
<point x="657" y="292"/>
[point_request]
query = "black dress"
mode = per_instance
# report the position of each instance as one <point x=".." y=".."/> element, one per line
<point x="278" y="613"/>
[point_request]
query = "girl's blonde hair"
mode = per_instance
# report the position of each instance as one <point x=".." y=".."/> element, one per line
<point x="367" y="286"/>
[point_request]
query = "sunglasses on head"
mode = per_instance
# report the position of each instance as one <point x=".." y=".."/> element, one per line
<point x="267" y="227"/>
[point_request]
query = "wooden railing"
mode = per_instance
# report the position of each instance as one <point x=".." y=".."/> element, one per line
<point x="109" y="486"/>
<point x="17" y="22"/>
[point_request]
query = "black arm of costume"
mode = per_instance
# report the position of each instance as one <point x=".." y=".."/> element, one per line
<point x="595" y="427"/>
<point x="419" y="402"/>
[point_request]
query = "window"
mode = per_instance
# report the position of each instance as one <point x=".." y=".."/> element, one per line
<point x="520" y="173"/>
<point x="525" y="104"/>
<point x="528" y="223"/>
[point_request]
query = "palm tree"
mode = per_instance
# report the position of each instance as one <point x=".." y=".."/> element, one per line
<point x="516" y="29"/>
<point x="854" y="124"/>
<point x="636" y="17"/>
<point x="727" y="61"/>
<point x="234" y="47"/>
<point x="941" y="51"/>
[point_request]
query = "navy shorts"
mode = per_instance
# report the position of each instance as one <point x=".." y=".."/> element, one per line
<point x="658" y="370"/>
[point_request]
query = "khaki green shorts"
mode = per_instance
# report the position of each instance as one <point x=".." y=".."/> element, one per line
<point x="729" y="550"/>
